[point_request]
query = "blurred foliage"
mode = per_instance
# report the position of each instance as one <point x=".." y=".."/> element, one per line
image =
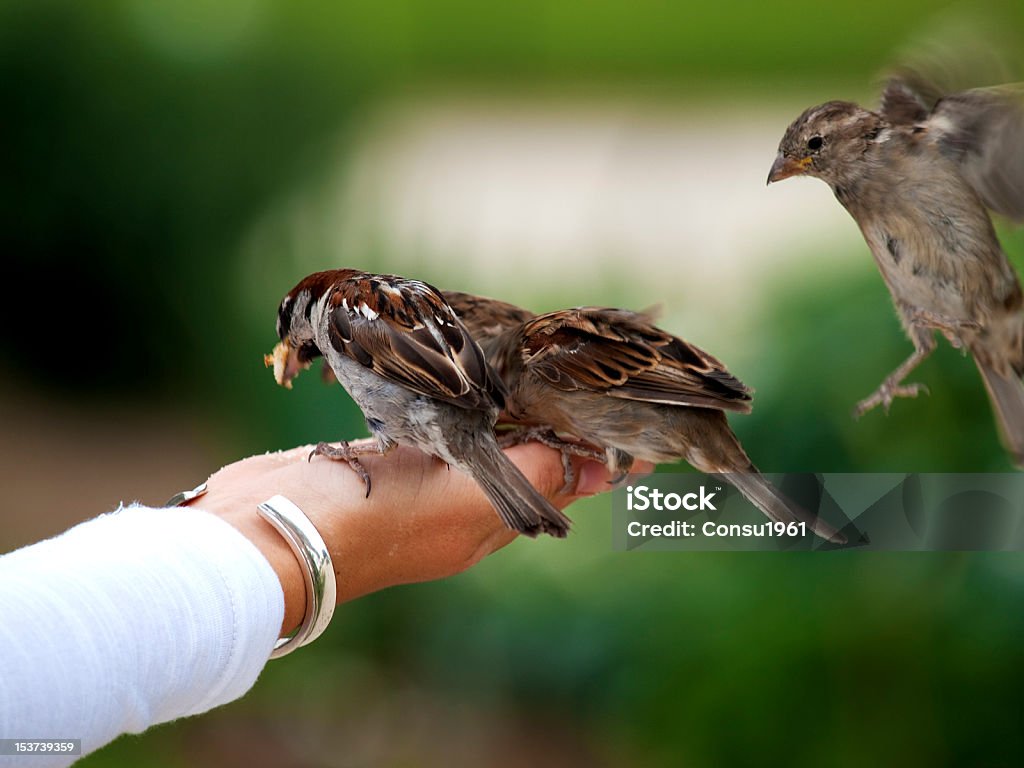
<point x="141" y="139"/>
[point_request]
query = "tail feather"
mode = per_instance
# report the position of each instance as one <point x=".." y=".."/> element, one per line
<point x="770" y="500"/>
<point x="720" y="452"/>
<point x="520" y="506"/>
<point x="1007" y="396"/>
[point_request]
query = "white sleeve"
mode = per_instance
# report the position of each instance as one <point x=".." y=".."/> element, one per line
<point x="135" y="618"/>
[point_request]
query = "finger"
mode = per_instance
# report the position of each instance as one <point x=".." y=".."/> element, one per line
<point x="541" y="465"/>
<point x="543" y="468"/>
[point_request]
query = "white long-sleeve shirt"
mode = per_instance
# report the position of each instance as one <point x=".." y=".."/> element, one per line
<point x="131" y="619"/>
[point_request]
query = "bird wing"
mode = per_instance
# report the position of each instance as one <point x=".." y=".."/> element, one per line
<point x="404" y="331"/>
<point x="904" y="102"/>
<point x="981" y="130"/>
<point x="485" y="318"/>
<point x="622" y="354"/>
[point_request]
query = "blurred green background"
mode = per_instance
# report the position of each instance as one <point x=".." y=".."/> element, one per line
<point x="170" y="169"/>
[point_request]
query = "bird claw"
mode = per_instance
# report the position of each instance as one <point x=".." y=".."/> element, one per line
<point x="344" y="452"/>
<point x="567" y="448"/>
<point x="886" y="394"/>
<point x="619" y="478"/>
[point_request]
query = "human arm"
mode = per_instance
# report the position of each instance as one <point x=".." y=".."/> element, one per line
<point x="143" y="616"/>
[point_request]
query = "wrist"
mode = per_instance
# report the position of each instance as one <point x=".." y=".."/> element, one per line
<point x="276" y="551"/>
<point x="359" y="568"/>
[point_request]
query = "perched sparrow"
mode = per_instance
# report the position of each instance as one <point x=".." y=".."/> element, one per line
<point x="917" y="178"/>
<point x="615" y="381"/>
<point x="407" y="361"/>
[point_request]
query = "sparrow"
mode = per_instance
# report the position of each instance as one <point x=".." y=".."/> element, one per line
<point x="918" y="176"/>
<point x="419" y="378"/>
<point x="613" y="380"/>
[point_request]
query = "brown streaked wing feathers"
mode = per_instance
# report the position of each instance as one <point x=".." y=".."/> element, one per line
<point x="485" y="318"/>
<point x="399" y="346"/>
<point x="620" y="353"/>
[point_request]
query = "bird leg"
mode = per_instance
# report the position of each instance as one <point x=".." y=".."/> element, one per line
<point x="350" y="455"/>
<point x="950" y="327"/>
<point x="893" y="385"/>
<point x="547" y="436"/>
<point x="620" y="462"/>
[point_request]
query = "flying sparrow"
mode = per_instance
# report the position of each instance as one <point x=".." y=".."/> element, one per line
<point x="917" y="176"/>
<point x="612" y="379"/>
<point x="416" y="374"/>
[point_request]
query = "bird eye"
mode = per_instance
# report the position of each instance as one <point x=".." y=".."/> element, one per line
<point x="814" y="143"/>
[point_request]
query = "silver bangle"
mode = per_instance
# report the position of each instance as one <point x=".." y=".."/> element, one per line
<point x="318" y="571"/>
<point x="186" y="496"/>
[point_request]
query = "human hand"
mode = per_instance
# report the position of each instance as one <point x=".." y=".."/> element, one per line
<point x="422" y="521"/>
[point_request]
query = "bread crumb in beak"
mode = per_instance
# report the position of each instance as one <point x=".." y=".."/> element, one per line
<point x="278" y="358"/>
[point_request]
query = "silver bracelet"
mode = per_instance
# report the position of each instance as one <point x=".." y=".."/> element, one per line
<point x="184" y="497"/>
<point x="318" y="571"/>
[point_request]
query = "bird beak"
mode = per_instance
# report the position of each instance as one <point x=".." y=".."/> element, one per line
<point x="784" y="167"/>
<point x="285" y="363"/>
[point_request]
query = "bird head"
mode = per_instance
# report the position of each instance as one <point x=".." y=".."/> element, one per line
<point x="826" y="142"/>
<point x="298" y="349"/>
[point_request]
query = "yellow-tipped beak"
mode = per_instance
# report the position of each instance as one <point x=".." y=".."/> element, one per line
<point x="784" y="167"/>
<point x="285" y="363"/>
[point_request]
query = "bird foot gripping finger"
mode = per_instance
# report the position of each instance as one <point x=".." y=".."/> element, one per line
<point x="547" y="436"/>
<point x="345" y="452"/>
<point x="620" y="463"/>
<point x="567" y="448"/>
<point x="886" y="394"/>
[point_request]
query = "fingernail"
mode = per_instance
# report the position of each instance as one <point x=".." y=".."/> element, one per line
<point x="593" y="478"/>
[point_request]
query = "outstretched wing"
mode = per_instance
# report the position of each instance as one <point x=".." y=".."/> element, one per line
<point x="404" y="331"/>
<point x="982" y="130"/>
<point x="905" y="102"/>
<point x="623" y="355"/>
